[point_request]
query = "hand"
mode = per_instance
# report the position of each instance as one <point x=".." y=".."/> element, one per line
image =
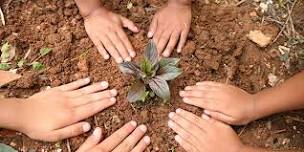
<point x="125" y="139"/>
<point x="196" y="134"/>
<point x="56" y="113"/>
<point x="105" y="29"/>
<point x="170" y="25"/>
<point x="222" y="102"/>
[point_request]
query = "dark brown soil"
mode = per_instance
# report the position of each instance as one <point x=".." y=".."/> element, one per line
<point x="217" y="50"/>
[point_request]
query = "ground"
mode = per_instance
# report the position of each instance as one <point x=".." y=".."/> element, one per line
<point x="217" y="50"/>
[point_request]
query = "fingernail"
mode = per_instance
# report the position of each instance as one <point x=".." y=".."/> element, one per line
<point x="205" y="117"/>
<point x="207" y="112"/>
<point x="133" y="54"/>
<point x="113" y="92"/>
<point x="106" y="57"/>
<point x="178" y="110"/>
<point x="143" y="128"/>
<point x="170" y="123"/>
<point x="119" y="60"/>
<point x="150" y="34"/>
<point x="87" y="80"/>
<point x="147" y="140"/>
<point x="182" y="93"/>
<point x="179" y="50"/>
<point x="97" y="133"/>
<point x="186" y="100"/>
<point x="113" y="100"/>
<point x="133" y="123"/>
<point x="86" y="127"/>
<point x="166" y="53"/>
<point x="178" y="138"/>
<point x="128" y="59"/>
<point x="171" y="115"/>
<point x="104" y="84"/>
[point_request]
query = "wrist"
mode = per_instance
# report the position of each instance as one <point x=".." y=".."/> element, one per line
<point x="11" y="114"/>
<point x="180" y="2"/>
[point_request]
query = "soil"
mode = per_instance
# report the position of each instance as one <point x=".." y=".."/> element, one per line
<point x="217" y="50"/>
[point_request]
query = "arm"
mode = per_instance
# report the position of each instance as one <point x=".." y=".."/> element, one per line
<point x="85" y="7"/>
<point x="9" y="113"/>
<point x="285" y="97"/>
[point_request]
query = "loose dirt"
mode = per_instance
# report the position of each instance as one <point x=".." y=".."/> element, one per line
<point x="217" y="50"/>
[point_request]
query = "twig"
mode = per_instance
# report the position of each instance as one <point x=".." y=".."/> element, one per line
<point x="295" y="119"/>
<point x="68" y="145"/>
<point x="278" y="131"/>
<point x="286" y="22"/>
<point x="240" y="2"/>
<point x="242" y="131"/>
<point x="2" y="17"/>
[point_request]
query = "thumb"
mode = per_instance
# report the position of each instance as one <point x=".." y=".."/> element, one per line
<point x="92" y="141"/>
<point x="129" y="24"/>
<point x="219" y="116"/>
<point x="66" y="132"/>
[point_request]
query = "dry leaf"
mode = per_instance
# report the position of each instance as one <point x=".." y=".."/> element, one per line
<point x="7" y="77"/>
<point x="259" y="38"/>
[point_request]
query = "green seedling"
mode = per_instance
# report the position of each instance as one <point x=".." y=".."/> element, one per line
<point x="6" y="148"/>
<point x="37" y="66"/>
<point x="151" y="75"/>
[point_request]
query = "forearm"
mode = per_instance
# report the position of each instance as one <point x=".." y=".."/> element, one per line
<point x="285" y="97"/>
<point x="10" y="110"/>
<point x="87" y="6"/>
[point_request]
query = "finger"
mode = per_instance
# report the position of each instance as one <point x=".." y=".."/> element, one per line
<point x="74" y="85"/>
<point x="171" y="44"/>
<point x="122" y="35"/>
<point x="67" y="132"/>
<point x="129" y="24"/>
<point x="185" y="134"/>
<point x="203" y="103"/>
<point x="95" y="97"/>
<point x="115" y="139"/>
<point x="209" y="83"/>
<point x="111" y="49"/>
<point x="157" y="35"/>
<point x="195" y="93"/>
<point x="185" y="144"/>
<point x="196" y="132"/>
<point x="219" y="116"/>
<point x="163" y="41"/>
<point x="100" y="48"/>
<point x="192" y="118"/>
<point x="89" y="89"/>
<point x="86" y="111"/>
<point x="182" y="41"/>
<point x="129" y="143"/>
<point x="119" y="45"/>
<point x="202" y="88"/>
<point x="142" y="145"/>
<point x="92" y="141"/>
<point x="153" y="27"/>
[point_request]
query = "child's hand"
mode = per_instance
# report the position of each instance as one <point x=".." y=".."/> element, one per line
<point x="170" y="25"/>
<point x="205" y="134"/>
<point x="125" y="139"/>
<point x="57" y="113"/>
<point x="222" y="102"/>
<point x="105" y="29"/>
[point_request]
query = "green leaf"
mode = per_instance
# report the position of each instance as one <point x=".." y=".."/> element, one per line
<point x="160" y="87"/>
<point x="6" y="148"/>
<point x="44" y="51"/>
<point x="131" y="68"/>
<point x="151" y="53"/>
<point x="168" y="61"/>
<point x="4" y="66"/>
<point x="146" y="66"/>
<point x="137" y="92"/>
<point x="169" y="72"/>
<point x="37" y="66"/>
<point x="21" y="63"/>
<point x="5" y="55"/>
